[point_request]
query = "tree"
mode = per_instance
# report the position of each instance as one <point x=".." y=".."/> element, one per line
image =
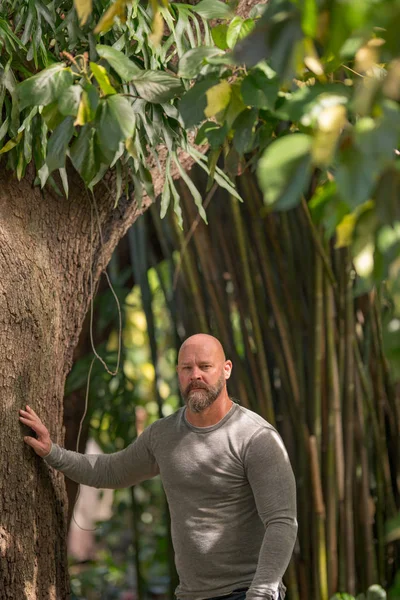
<point x="63" y="125"/>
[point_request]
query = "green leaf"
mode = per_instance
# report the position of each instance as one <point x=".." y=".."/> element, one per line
<point x="115" y="122"/>
<point x="309" y="17"/>
<point x="82" y="154"/>
<point x="102" y="79"/>
<point x="213" y="9"/>
<point x="194" y="102"/>
<point x="284" y="170"/>
<point x="45" y="87"/>
<point x="260" y="91"/>
<point x="193" y="60"/>
<point x="11" y="143"/>
<point x="244" y="128"/>
<point x="157" y="86"/>
<point x="193" y="189"/>
<point x="238" y="29"/>
<point x="218" y="34"/>
<point x="214" y="133"/>
<point x="125" y="68"/>
<point x="68" y="103"/>
<point x="58" y="144"/>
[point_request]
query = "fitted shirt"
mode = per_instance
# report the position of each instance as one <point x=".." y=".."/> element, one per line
<point x="231" y="495"/>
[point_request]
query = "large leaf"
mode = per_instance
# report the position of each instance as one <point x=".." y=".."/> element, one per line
<point x="194" y="59"/>
<point x="45" y="87"/>
<point x="238" y="29"/>
<point x="115" y="122"/>
<point x="83" y="155"/>
<point x="284" y="170"/>
<point x="125" y="68"/>
<point x="68" y="103"/>
<point x="213" y="9"/>
<point x="259" y="90"/>
<point x="194" y="102"/>
<point x="157" y="86"/>
<point x="218" y="98"/>
<point x="58" y="144"/>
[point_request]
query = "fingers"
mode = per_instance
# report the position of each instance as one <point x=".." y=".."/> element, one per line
<point x="36" y="445"/>
<point x="33" y="424"/>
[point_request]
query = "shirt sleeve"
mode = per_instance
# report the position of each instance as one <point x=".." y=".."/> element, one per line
<point x="272" y="481"/>
<point x="117" y="470"/>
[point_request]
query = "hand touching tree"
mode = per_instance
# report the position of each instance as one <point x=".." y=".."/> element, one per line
<point x="41" y="444"/>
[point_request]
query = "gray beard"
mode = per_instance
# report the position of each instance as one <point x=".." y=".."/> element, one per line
<point x="199" y="400"/>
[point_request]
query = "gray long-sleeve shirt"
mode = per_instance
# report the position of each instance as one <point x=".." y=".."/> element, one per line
<point x="231" y="494"/>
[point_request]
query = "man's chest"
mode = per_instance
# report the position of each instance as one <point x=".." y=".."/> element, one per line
<point x="200" y="466"/>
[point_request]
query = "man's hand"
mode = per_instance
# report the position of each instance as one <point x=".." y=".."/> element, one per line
<point x="41" y="444"/>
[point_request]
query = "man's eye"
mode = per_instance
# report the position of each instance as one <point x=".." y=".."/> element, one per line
<point x="206" y="366"/>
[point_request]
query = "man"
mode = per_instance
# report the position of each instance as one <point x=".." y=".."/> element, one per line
<point x="226" y="474"/>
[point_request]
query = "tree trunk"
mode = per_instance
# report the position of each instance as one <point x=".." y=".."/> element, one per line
<point x="48" y="247"/>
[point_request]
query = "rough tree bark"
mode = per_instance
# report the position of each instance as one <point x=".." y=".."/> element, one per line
<point x="46" y="255"/>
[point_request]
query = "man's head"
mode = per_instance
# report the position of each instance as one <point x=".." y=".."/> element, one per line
<point x="202" y="371"/>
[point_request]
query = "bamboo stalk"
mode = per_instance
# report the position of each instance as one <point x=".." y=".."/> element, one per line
<point x="348" y="437"/>
<point x="267" y="395"/>
<point x="319" y="508"/>
<point x="366" y="500"/>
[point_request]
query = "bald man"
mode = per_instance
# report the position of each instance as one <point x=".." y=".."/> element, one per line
<point x="226" y="475"/>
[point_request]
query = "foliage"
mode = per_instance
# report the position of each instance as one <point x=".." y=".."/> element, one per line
<point x="310" y="99"/>
<point x="110" y="100"/>
<point x="375" y="592"/>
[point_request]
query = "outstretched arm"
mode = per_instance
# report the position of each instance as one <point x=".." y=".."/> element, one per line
<point x="117" y="470"/>
<point x="271" y="478"/>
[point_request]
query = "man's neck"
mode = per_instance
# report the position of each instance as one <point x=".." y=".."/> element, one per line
<point x="212" y="414"/>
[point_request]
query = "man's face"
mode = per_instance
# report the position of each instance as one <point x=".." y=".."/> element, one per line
<point x="201" y="373"/>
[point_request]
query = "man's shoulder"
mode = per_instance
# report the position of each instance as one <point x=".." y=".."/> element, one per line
<point x="168" y="423"/>
<point x="251" y="421"/>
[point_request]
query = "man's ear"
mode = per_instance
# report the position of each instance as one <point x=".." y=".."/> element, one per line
<point x="227" y="369"/>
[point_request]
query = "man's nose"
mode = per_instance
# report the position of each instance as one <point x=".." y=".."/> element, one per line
<point x="196" y="373"/>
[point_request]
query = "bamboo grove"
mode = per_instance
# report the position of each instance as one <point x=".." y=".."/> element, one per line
<point x="307" y="354"/>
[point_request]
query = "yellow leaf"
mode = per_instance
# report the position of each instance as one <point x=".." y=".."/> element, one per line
<point x="218" y="98"/>
<point x="107" y="20"/>
<point x="11" y="143"/>
<point x="83" y="9"/>
<point x="85" y="111"/>
<point x="102" y="79"/>
<point x="344" y="231"/>
<point x="157" y="29"/>
<point x="130" y="146"/>
<point x="331" y="121"/>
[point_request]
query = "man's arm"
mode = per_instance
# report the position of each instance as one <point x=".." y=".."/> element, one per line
<point x="117" y="470"/>
<point x="271" y="478"/>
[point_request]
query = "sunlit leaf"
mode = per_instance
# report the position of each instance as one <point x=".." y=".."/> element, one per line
<point x="218" y="98"/>
<point x="88" y="105"/>
<point x="284" y="170"/>
<point x="83" y="9"/>
<point x="102" y="79"/>
<point x="11" y="143"/>
<point x="116" y="10"/>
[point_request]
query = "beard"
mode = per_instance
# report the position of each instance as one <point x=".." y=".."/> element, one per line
<point x="199" y="396"/>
